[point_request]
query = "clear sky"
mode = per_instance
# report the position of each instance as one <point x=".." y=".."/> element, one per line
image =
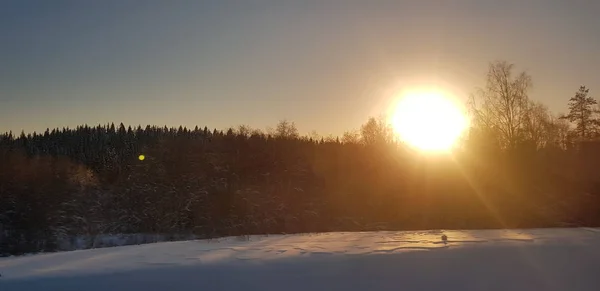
<point x="326" y="64"/>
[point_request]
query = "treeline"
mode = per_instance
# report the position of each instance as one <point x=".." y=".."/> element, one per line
<point x="518" y="166"/>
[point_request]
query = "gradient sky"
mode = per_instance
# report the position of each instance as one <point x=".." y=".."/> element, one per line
<point x="327" y="65"/>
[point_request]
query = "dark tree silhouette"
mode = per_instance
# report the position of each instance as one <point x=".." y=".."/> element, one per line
<point x="583" y="114"/>
<point x="502" y="105"/>
<point x="516" y="168"/>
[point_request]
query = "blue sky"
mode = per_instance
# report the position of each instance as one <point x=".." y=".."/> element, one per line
<point x="327" y="65"/>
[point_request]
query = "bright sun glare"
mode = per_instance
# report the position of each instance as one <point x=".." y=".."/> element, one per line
<point x="428" y="120"/>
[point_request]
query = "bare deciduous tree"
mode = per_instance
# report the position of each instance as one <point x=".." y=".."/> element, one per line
<point x="537" y="125"/>
<point x="244" y="130"/>
<point x="503" y="104"/>
<point x="559" y="132"/>
<point x="286" y="129"/>
<point x="314" y="135"/>
<point x="376" y="131"/>
<point x="351" y="137"/>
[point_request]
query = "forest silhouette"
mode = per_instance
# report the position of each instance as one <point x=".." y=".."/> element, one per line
<point x="518" y="166"/>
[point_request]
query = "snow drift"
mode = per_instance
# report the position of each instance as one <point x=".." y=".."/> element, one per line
<point x="538" y="259"/>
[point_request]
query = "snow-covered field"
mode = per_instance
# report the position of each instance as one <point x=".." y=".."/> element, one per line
<point x="539" y="259"/>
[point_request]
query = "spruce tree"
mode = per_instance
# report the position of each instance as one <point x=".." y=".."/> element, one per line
<point x="583" y="114"/>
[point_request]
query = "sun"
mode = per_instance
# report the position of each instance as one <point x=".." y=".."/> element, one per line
<point x="428" y="120"/>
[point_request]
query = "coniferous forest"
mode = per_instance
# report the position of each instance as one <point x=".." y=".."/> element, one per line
<point x="518" y="166"/>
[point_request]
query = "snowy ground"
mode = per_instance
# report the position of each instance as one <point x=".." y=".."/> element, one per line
<point x="540" y="259"/>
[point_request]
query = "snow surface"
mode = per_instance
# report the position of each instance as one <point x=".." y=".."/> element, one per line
<point x="537" y="259"/>
<point x="82" y="242"/>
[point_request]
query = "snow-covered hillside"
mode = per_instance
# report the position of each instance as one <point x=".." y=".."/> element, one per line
<point x="540" y="259"/>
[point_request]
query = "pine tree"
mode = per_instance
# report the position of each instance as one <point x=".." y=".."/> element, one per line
<point x="583" y="114"/>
